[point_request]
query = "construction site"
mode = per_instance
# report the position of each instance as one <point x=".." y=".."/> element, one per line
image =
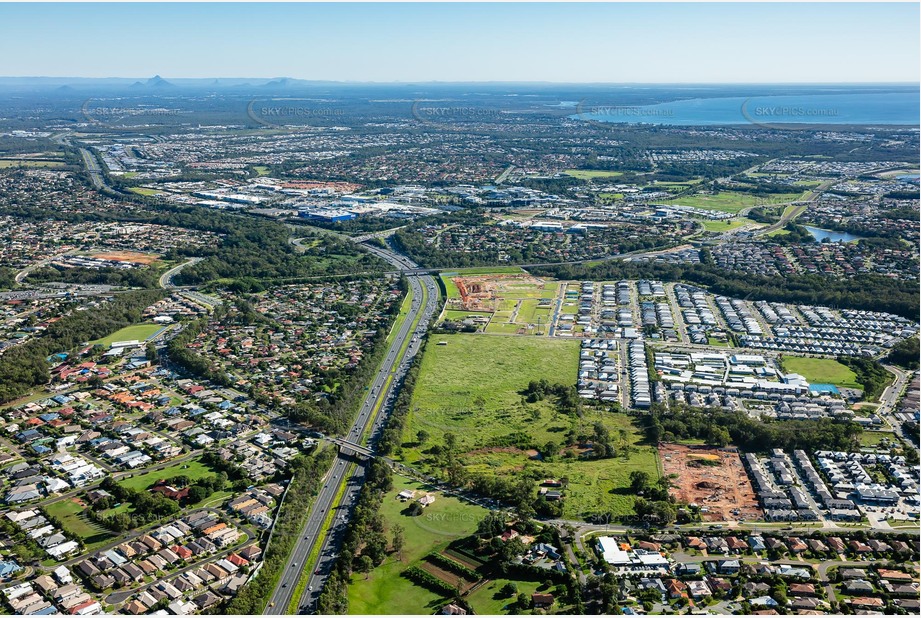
<point x="712" y="479"/>
<point x="516" y="303"/>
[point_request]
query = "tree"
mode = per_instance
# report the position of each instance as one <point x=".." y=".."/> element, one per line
<point x="508" y="590"/>
<point x="365" y="565"/>
<point x="197" y="493"/>
<point x="491" y="525"/>
<point x="414" y="510"/>
<point x="524" y="601"/>
<point x="512" y="549"/>
<point x="639" y="481"/>
<point x="719" y="436"/>
<point x="24" y="553"/>
<point x="421" y="436"/>
<point x="397" y="540"/>
<point x="151" y="352"/>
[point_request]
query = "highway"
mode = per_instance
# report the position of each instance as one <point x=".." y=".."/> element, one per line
<point x="166" y="279"/>
<point x="92" y="167"/>
<point x="372" y="415"/>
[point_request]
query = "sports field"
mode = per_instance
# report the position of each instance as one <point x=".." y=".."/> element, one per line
<point x="127" y="256"/>
<point x="139" y="332"/>
<point x="821" y="370"/>
<point x="591" y="174"/>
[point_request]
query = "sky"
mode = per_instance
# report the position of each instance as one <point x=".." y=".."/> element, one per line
<point x="610" y="43"/>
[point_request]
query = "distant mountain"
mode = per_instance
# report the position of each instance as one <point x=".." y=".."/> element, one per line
<point x="281" y="82"/>
<point x="158" y="82"/>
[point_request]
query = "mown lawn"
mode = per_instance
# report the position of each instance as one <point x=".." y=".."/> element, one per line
<point x="140" y="332"/>
<point x="70" y="514"/>
<point x="193" y="469"/>
<point x="486" y="600"/>
<point x="450" y="288"/>
<point x="471" y="385"/>
<point x="143" y="191"/>
<point x="483" y="270"/>
<point x="821" y="370"/>
<point x="11" y="163"/>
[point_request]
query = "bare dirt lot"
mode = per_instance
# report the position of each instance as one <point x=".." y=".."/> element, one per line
<point x="127" y="256"/>
<point x="712" y="478"/>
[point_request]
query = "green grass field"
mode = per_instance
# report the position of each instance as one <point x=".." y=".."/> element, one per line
<point x="384" y="591"/>
<point x="10" y="163"/>
<point x="711" y="225"/>
<point x="501" y="326"/>
<point x="462" y="315"/>
<point x="871" y="439"/>
<point x="450" y="288"/>
<point x="140" y="332"/>
<point x="591" y="174"/>
<point x="193" y="469"/>
<point x="821" y="370"/>
<point x="70" y="514"/>
<point x="726" y="201"/>
<point x="143" y="191"/>
<point x="471" y="388"/>
<point x="261" y="170"/>
<point x="778" y="232"/>
<point x="486" y="600"/>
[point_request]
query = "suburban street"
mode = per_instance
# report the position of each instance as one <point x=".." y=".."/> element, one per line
<point x="372" y="414"/>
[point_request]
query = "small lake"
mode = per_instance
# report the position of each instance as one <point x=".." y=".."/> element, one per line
<point x="819" y="234"/>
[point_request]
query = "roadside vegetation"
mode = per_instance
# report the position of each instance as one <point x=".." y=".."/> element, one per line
<point x="308" y="471"/>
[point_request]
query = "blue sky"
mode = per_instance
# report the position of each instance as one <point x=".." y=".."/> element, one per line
<point x="653" y="43"/>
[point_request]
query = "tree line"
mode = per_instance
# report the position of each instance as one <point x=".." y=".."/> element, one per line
<point x="721" y="427"/>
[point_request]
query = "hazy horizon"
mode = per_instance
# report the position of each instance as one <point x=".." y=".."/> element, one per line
<point x="142" y="78"/>
<point x="588" y="43"/>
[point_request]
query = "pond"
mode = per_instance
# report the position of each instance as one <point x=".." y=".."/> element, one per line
<point x="819" y="234"/>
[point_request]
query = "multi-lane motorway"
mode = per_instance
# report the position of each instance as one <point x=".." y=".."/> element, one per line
<point x="370" y="420"/>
